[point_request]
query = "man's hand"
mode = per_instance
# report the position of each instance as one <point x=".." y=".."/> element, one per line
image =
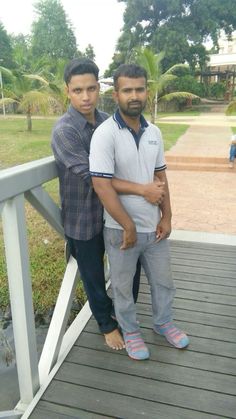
<point x="129" y="238"/>
<point x="154" y="192"/>
<point x="163" y="229"/>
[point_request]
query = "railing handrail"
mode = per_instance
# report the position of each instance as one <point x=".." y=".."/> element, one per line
<point x="16" y="184"/>
<point x="16" y="180"/>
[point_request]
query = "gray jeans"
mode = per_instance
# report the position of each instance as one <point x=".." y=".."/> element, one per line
<point x="155" y="260"/>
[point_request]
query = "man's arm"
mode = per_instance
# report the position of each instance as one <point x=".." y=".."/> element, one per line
<point x="153" y="192"/>
<point x="69" y="151"/>
<point x="110" y="200"/>
<point x="164" y="227"/>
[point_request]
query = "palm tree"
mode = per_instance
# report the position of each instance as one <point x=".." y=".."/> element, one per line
<point x="231" y="108"/>
<point x="158" y="81"/>
<point x="32" y="93"/>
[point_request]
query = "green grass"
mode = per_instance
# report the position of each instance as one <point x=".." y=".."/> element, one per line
<point x="171" y="133"/>
<point x="19" y="146"/>
<point x="47" y="262"/>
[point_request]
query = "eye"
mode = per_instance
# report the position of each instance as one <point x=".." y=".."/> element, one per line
<point x="140" y="89"/>
<point x="92" y="89"/>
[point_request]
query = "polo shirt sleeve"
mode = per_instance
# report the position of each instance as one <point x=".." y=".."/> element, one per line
<point x="102" y="155"/>
<point x="69" y="150"/>
<point x="160" y="160"/>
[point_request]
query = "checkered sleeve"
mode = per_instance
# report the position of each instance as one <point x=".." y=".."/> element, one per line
<point x="69" y="150"/>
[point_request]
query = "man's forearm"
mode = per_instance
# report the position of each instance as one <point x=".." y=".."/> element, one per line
<point x="153" y="192"/>
<point x="111" y="202"/>
<point x="165" y="205"/>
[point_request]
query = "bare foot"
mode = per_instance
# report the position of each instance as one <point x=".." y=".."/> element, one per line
<point x="114" y="340"/>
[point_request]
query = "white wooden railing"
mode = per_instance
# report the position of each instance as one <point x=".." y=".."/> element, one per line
<point x="17" y="184"/>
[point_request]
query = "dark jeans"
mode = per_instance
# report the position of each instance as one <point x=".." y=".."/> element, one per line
<point x="89" y="255"/>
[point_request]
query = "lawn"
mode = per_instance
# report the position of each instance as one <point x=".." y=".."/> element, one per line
<point x="46" y="248"/>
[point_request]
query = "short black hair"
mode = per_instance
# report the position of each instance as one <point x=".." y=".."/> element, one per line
<point x="132" y="71"/>
<point x="80" y="66"/>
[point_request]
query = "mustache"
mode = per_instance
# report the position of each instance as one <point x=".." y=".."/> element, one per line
<point x="135" y="102"/>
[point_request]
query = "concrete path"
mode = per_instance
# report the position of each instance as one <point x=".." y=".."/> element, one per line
<point x="202" y="200"/>
<point x="208" y="136"/>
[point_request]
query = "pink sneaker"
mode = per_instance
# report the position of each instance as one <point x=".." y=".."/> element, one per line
<point x="135" y="346"/>
<point x="173" y="335"/>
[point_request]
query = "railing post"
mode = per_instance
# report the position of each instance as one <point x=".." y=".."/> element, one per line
<point x="16" y="246"/>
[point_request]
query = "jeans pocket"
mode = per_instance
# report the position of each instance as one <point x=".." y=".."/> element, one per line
<point x="113" y="237"/>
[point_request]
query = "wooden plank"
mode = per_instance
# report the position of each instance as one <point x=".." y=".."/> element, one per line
<point x="193" y="317"/>
<point x="211" y="298"/>
<point x="197" y="344"/>
<point x="115" y="404"/>
<point x="225" y="261"/>
<point x="190" y="377"/>
<point x="198" y="270"/>
<point x="195" y="296"/>
<point x="226" y="252"/>
<point x="222" y="248"/>
<point x="198" y="382"/>
<point x="152" y="390"/>
<point x="161" y="351"/>
<point x="46" y="410"/>
<point x="208" y="279"/>
<point x="210" y="332"/>
<point x="200" y="306"/>
<point x="193" y="286"/>
<point x="207" y="264"/>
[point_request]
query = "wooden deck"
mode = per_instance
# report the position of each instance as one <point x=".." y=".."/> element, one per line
<point x="196" y="383"/>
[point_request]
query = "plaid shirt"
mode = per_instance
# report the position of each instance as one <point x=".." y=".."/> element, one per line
<point x="82" y="212"/>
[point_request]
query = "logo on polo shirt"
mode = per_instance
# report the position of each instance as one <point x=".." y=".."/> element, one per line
<point x="152" y="142"/>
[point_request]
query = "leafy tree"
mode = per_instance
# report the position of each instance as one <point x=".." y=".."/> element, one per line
<point x="159" y="82"/>
<point x="21" y="51"/>
<point x="32" y="94"/>
<point x="52" y="33"/>
<point x="89" y="52"/>
<point x="5" y="48"/>
<point x="177" y="27"/>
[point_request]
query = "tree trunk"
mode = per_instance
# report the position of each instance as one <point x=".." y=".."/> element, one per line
<point x="29" y="120"/>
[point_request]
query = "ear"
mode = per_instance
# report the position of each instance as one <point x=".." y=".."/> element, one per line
<point x="99" y="87"/>
<point x="66" y="90"/>
<point x="115" y="96"/>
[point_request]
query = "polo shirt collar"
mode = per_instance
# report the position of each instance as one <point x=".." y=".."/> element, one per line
<point x="122" y="124"/>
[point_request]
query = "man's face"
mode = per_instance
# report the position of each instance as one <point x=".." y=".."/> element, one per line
<point x="131" y="95"/>
<point x="83" y="91"/>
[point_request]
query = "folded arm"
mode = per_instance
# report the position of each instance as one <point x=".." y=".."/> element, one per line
<point x="153" y="192"/>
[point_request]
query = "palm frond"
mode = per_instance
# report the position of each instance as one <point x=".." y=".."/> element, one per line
<point x="231" y="108"/>
<point x="7" y="101"/>
<point x="177" y="95"/>
<point x="36" y="77"/>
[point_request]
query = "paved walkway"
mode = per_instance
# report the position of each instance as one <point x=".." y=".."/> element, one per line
<point x="203" y="201"/>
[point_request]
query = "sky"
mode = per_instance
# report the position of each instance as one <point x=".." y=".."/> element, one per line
<point x="95" y="22"/>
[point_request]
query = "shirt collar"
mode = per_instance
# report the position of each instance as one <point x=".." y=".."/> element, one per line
<point x="122" y="124"/>
<point x="81" y="121"/>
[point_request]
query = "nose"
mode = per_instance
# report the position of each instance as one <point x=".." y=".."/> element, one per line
<point x="134" y="94"/>
<point x="85" y="95"/>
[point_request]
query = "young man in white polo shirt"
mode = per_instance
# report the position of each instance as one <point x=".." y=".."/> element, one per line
<point x="128" y="147"/>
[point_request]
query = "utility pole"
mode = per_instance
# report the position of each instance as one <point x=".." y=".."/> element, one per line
<point x="2" y="94"/>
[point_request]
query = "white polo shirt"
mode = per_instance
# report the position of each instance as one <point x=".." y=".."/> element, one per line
<point x="114" y="152"/>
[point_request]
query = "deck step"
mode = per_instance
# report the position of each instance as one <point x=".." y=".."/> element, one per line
<point x="205" y="164"/>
